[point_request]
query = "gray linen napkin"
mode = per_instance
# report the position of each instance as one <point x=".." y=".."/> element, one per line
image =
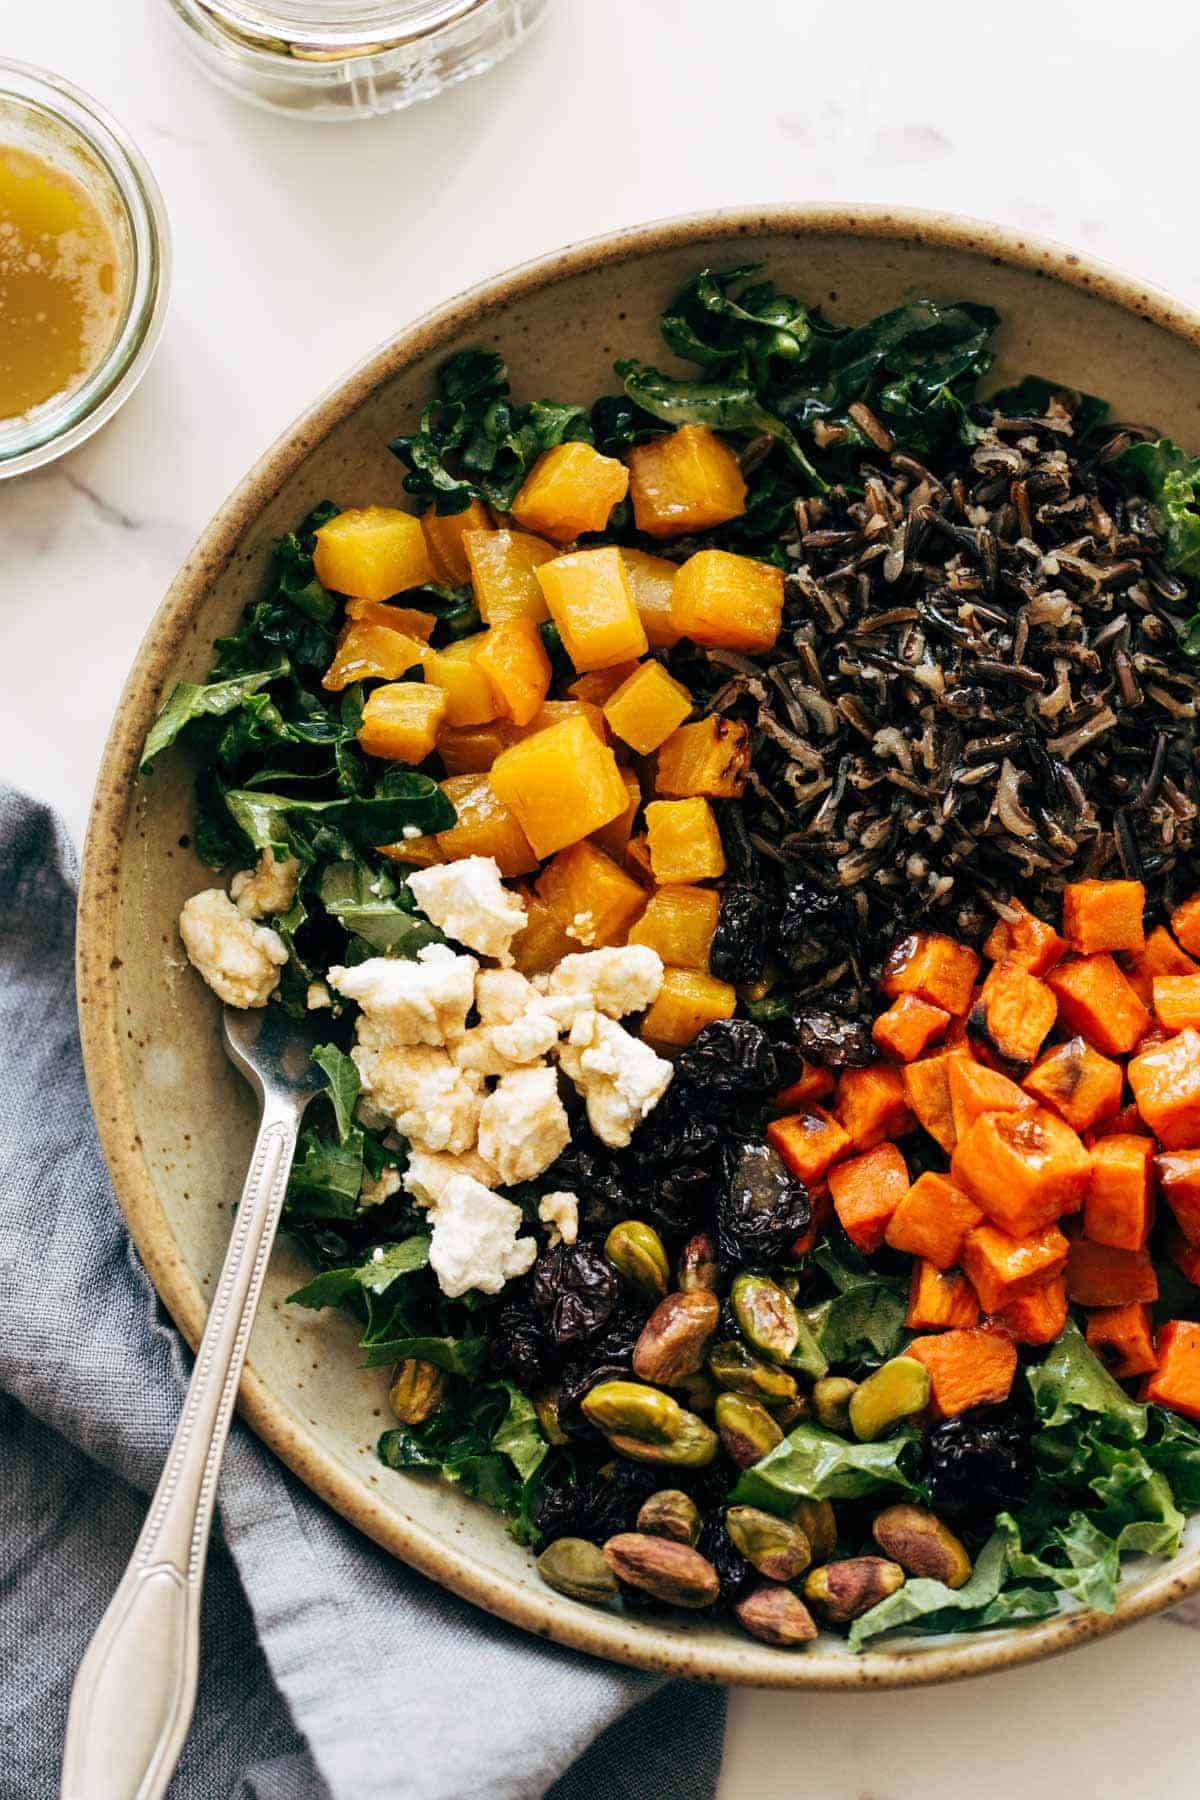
<point x="329" y="1670"/>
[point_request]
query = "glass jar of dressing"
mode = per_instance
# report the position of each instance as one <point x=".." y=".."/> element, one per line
<point x="345" y="59"/>
<point x="84" y="258"/>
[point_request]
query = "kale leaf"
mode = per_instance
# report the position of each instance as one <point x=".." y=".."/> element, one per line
<point x="343" y="1084"/>
<point x="383" y="1266"/>
<point x="315" y="830"/>
<point x="814" y="1464"/>
<point x="190" y="700"/>
<point x="487" y="1440"/>
<point x="864" y="1322"/>
<point x="375" y="907"/>
<point x="1171" y="478"/>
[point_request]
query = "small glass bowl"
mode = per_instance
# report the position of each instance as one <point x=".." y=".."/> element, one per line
<point x="52" y="119"/>
<point x="350" y="59"/>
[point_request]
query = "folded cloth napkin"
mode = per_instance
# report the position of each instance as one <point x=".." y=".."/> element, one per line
<point x="328" y="1669"/>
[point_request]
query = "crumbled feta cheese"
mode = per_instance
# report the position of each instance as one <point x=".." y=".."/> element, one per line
<point x="425" y="1096"/>
<point x="616" y="981"/>
<point x="475" y="1242"/>
<point x="403" y="1002"/>
<point x="528" y="1038"/>
<point x="502" y="995"/>
<point x="523" y="1125"/>
<point x="561" y="1213"/>
<point x="376" y="1189"/>
<point x="317" y="996"/>
<point x="268" y="888"/>
<point x="583" y="928"/>
<point x="409" y="832"/>
<point x="239" y="960"/>
<point x="476" y="1051"/>
<point x="470" y="903"/>
<point x="620" y="1077"/>
<point x="428" y="1172"/>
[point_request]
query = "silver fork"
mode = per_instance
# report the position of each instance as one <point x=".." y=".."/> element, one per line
<point x="135" y="1691"/>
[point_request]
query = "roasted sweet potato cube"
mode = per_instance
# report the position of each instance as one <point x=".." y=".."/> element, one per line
<point x="940" y="1299"/>
<point x="809" y="1142"/>
<point x="1175" y="1383"/>
<point x="1037" y="1317"/>
<point x="820" y="1201"/>
<point x="934" y="968"/>
<point x="971" y="1367"/>
<point x="866" y="1191"/>
<point x="1002" y="1268"/>
<point x="1013" y="1014"/>
<point x="932" y="1220"/>
<point x="1025" y="939"/>
<point x="1185" y="923"/>
<point x="1185" y="1256"/>
<point x="908" y="1027"/>
<point x="1118" y="1208"/>
<point x="1166" y="1086"/>
<point x="813" y="1083"/>
<point x="927" y="1089"/>
<point x="1095" y="1000"/>
<point x="1161" y="955"/>
<point x="1024" y="1169"/>
<point x="1123" y="1338"/>
<point x="1077" y="1083"/>
<point x="975" y="1090"/>
<point x="1176" y="1000"/>
<point x="1127" y="1122"/>
<point x="1104" y="915"/>
<point x="1179" y="1173"/>
<point x="1098" y="1275"/>
<point x="872" y="1105"/>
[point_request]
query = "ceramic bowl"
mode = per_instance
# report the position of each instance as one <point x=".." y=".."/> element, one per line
<point x="176" y="1122"/>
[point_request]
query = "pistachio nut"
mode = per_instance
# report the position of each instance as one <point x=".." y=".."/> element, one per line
<point x="817" y="1521"/>
<point x="418" y="1389"/>
<point x="766" y="1316"/>
<point x="732" y="1366"/>
<point x="698" y="1265"/>
<point x="675" y="1337"/>
<point x="577" y="1568"/>
<point x="636" y="1251"/>
<point x="922" y="1545"/>
<point x="670" y="1514"/>
<point x="789" y="1412"/>
<point x="778" y="1548"/>
<point x="776" y="1616"/>
<point x="674" y="1573"/>
<point x="747" y="1429"/>
<point x="895" y="1391"/>
<point x="841" y="1591"/>
<point x="699" y="1390"/>
<point x="831" y="1397"/>
<point x="545" y="1405"/>
<point x="636" y="1410"/>
<point x="693" y="1446"/>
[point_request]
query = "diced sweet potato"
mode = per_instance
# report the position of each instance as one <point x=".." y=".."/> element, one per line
<point x="1095" y="1000"/>
<point x="1176" y="1001"/>
<point x="1014" y="1013"/>
<point x="1025" y="939"/>
<point x="1002" y="1268"/>
<point x="934" y="968"/>
<point x="872" y="1105"/>
<point x="1123" y="1338"/>
<point x="1037" y="1317"/>
<point x="866" y="1191"/>
<point x="809" y="1142"/>
<point x="1179" y="1173"/>
<point x="940" y="1299"/>
<point x="1175" y="1383"/>
<point x="972" y="1367"/>
<point x="1166" y="1086"/>
<point x="1160" y="956"/>
<point x="1126" y="1123"/>
<point x="927" y="1089"/>
<point x="908" y="1027"/>
<point x="1025" y="1170"/>
<point x="1185" y="923"/>
<point x="1185" y="1256"/>
<point x="932" y="1220"/>
<point x="820" y="1201"/>
<point x="1077" y="1083"/>
<point x="975" y="1090"/>
<point x="1118" y="1208"/>
<point x="1098" y="1275"/>
<point x="814" y="1083"/>
<point x="1104" y="915"/>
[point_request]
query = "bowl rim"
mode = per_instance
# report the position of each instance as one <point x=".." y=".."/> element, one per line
<point x="663" y="1649"/>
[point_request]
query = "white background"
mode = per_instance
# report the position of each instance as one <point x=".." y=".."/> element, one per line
<point x="300" y="246"/>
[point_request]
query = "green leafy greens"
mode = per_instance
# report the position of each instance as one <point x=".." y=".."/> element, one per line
<point x="487" y="1440"/>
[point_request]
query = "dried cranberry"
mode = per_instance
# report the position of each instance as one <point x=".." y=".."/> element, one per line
<point x="519" y="1346"/>
<point x="610" y="1358"/>
<point x="728" y="1060"/>
<point x="762" y="1208"/>
<point x="597" y="1506"/>
<point x="577" y="1287"/>
<point x="809" y="922"/>
<point x="981" y="1460"/>
<point x="834" y="1040"/>
<point x="590" y="1170"/>
<point x="739" y="947"/>
<point x="734" y="1573"/>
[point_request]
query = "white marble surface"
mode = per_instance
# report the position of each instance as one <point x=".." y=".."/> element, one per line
<point x="299" y="247"/>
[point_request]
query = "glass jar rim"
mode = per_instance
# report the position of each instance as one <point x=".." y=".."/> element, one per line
<point x="329" y="25"/>
<point x="61" y="425"/>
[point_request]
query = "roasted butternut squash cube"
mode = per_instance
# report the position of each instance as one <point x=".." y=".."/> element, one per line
<point x="1160" y="955"/>
<point x="593" y="897"/>
<point x="927" y="1085"/>
<point x="1166" y="1086"/>
<point x="647" y="707"/>
<point x="514" y="659"/>
<point x="687" y="480"/>
<point x="1001" y="1268"/>
<point x="614" y="837"/>
<point x="685" y="842"/>
<point x="932" y="1220"/>
<point x="810" y="1142"/>
<point x="1013" y="1013"/>
<point x="561" y="784"/>
<point x="501" y="565"/>
<point x="727" y="601"/>
<point x="368" y="652"/>
<point x="710" y="756"/>
<point x="599" y="685"/>
<point x="652" y="581"/>
<point x="372" y="552"/>
<point x="812" y="1083"/>
<point x="1077" y="1083"/>
<point x="975" y="1089"/>
<point x="1185" y="923"/>
<point x="688" y="1000"/>
<point x="1039" y="1316"/>
<point x="569" y="490"/>
<point x="408" y="619"/>
<point x="908" y="1026"/>
<point x="940" y="1300"/>
<point x="1024" y="1169"/>
<point x="484" y="827"/>
<point x="472" y="749"/>
<point x="542" y="942"/>
<point x="679" y="922"/>
<point x="1104" y="915"/>
<point x="934" y="967"/>
<point x="400" y="721"/>
<point x="444" y="533"/>
<point x="1123" y="1339"/>
<point x="866" y="1191"/>
<point x="1025" y="939"/>
<point x="591" y="602"/>
<point x="1176" y="1000"/>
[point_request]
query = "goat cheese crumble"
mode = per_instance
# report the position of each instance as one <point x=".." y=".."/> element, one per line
<point x="425" y="1001"/>
<point x="426" y="1096"/>
<point x="560" y="1211"/>
<point x="620" y="1077"/>
<point x="523" y="1125"/>
<point x="474" y="1242"/>
<point x="239" y="960"/>
<point x="270" y="887"/>
<point x="469" y="902"/>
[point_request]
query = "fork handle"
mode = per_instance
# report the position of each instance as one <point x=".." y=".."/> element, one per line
<point x="136" y="1688"/>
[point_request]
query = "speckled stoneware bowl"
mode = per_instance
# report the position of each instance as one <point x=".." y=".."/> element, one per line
<point x="176" y="1122"/>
